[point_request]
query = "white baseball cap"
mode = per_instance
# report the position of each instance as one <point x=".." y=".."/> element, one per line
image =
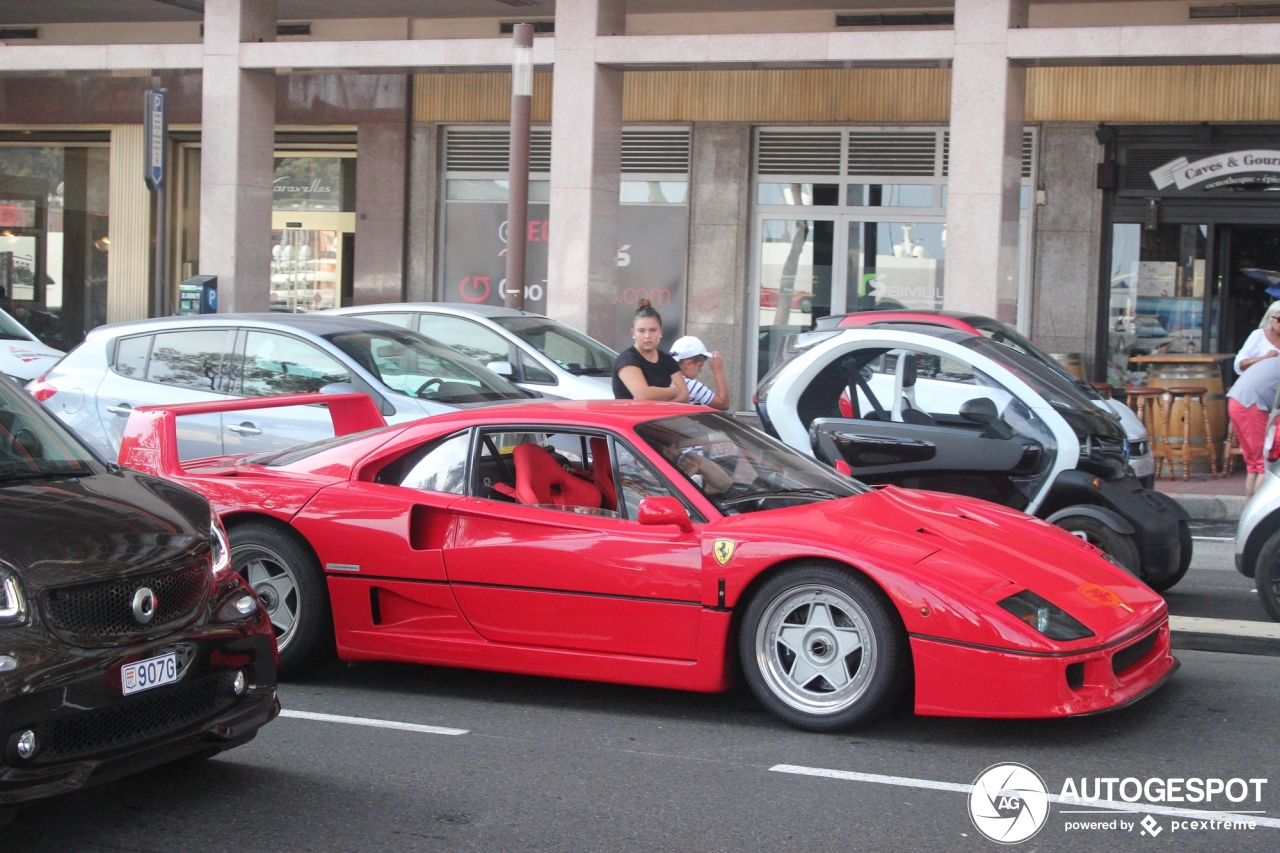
<point x="688" y="347"/>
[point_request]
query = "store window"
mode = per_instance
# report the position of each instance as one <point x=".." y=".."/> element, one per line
<point x="854" y="219"/>
<point x="653" y="222"/>
<point x="1157" y="295"/>
<point x="54" y="239"/>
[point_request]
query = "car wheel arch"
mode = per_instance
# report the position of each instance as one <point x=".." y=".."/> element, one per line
<point x="764" y="576"/>
<point x="1258" y="538"/>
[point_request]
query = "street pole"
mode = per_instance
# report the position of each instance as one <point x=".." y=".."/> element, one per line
<point x="518" y="166"/>
<point x="156" y="127"/>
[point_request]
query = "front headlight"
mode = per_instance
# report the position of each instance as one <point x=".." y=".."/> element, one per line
<point x="221" y="547"/>
<point x="13" y="607"/>
<point x="1049" y="619"/>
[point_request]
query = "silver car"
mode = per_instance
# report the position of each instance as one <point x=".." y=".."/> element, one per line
<point x="1258" y="532"/>
<point x="531" y="350"/>
<point x="224" y="356"/>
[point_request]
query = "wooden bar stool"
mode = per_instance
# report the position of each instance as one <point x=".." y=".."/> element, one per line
<point x="1190" y="394"/>
<point x="1148" y="404"/>
<point x="1231" y="451"/>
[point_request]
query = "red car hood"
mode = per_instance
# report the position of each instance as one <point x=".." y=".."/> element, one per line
<point x="973" y="554"/>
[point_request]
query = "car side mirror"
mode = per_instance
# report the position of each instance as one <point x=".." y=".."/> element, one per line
<point x="980" y="410"/>
<point x="664" y="510"/>
<point x="502" y="368"/>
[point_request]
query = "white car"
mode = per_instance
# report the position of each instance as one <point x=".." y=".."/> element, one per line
<point x="214" y="357"/>
<point x="533" y="351"/>
<point x="22" y="356"/>
<point x="946" y="410"/>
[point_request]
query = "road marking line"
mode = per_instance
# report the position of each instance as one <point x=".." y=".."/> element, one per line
<point x="929" y="784"/>
<point x="372" y="723"/>
<point x="1236" y="627"/>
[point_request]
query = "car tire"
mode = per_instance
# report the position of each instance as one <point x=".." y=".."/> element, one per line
<point x="1266" y="576"/>
<point x="1185" y="547"/>
<point x="286" y="575"/>
<point x="1118" y="546"/>
<point x="804" y="305"/>
<point x="854" y="659"/>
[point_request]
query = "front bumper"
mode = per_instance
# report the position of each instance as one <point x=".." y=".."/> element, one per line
<point x="88" y="732"/>
<point x="954" y="680"/>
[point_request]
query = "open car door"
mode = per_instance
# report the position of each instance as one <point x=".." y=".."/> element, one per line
<point x="919" y="420"/>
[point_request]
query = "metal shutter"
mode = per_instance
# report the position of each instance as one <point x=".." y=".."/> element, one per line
<point x="487" y="150"/>
<point x="661" y="151"/>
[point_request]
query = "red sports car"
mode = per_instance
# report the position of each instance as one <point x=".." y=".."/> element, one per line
<point x="664" y="545"/>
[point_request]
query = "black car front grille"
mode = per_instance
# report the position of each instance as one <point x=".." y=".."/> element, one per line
<point x="100" y="613"/>
<point x="1130" y="655"/>
<point x="133" y="720"/>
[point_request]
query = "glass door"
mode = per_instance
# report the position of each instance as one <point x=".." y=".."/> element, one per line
<point x="794" y="269"/>
<point x="307" y="260"/>
<point x="894" y="265"/>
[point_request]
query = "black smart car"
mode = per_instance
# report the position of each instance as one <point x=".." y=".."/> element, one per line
<point x="126" y="641"/>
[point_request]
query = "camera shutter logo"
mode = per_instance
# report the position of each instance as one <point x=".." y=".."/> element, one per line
<point x="144" y="605"/>
<point x="1009" y="803"/>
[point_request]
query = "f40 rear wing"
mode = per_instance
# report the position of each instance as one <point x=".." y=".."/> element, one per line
<point x="150" y="440"/>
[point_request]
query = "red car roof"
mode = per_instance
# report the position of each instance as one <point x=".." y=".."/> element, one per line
<point x="876" y="318"/>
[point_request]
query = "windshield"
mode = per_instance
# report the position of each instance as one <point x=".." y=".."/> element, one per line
<point x="1002" y="334"/>
<point x="1060" y="390"/>
<point x="413" y="365"/>
<point x="11" y="329"/>
<point x="740" y="469"/>
<point x="567" y="347"/>
<point x="32" y="444"/>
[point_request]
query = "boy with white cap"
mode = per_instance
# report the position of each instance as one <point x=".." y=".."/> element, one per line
<point x="692" y="354"/>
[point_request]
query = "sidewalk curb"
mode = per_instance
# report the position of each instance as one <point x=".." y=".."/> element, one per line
<point x="1191" y="641"/>
<point x="1212" y="507"/>
<point x="1224" y="635"/>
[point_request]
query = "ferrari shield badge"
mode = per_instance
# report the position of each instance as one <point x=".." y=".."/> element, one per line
<point x="723" y="550"/>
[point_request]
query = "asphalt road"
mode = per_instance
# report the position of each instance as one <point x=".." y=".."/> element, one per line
<point x="1214" y="588"/>
<point x="550" y="765"/>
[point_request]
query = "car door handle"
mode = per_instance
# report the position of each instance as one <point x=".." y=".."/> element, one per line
<point x="245" y="428"/>
<point x="123" y="409"/>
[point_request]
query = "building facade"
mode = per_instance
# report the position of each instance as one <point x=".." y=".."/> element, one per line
<point x="748" y="166"/>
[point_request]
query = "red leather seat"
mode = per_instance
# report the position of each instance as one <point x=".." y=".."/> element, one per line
<point x="602" y="472"/>
<point x="541" y="480"/>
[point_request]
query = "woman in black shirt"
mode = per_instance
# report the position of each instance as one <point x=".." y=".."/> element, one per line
<point x="644" y="372"/>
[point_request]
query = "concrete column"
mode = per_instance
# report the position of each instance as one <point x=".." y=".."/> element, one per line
<point x="586" y="154"/>
<point x="1068" y="231"/>
<point x="381" y="153"/>
<point x="987" y="113"/>
<point x="238" y="145"/>
<point x="420" y="229"/>
<point x="719" y="229"/>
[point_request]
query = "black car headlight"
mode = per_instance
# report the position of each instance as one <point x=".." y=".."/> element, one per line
<point x="1049" y="619"/>
<point x="13" y="606"/>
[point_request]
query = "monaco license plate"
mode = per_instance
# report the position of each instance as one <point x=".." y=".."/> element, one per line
<point x="149" y="673"/>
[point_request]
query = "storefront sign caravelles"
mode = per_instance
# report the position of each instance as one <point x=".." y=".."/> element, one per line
<point x="1230" y="169"/>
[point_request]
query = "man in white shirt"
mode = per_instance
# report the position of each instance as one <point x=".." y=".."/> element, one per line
<point x="692" y="354"/>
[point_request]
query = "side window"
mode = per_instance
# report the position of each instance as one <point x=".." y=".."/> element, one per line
<point x="189" y="359"/>
<point x="403" y="319"/>
<point x="440" y="467"/>
<point x="535" y="373"/>
<point x="277" y="364"/>
<point x="566" y="471"/>
<point x="131" y="356"/>
<point x="638" y="481"/>
<point x="468" y="338"/>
